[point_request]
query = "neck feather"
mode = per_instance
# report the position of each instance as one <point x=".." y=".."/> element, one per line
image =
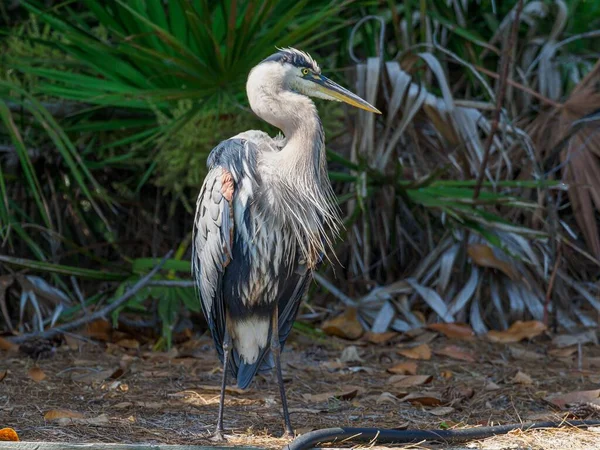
<point x="303" y="192"/>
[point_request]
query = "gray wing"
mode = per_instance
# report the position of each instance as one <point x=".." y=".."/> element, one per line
<point x="211" y="250"/>
<point x="214" y="230"/>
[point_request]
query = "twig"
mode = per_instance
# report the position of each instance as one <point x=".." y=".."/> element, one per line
<point x="522" y="87"/>
<point x="506" y="63"/>
<point x="551" y="284"/>
<point x="98" y="314"/>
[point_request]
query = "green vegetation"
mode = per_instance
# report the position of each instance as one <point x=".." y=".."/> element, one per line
<point x="108" y="111"/>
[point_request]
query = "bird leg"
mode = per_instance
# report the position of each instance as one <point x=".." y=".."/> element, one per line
<point x="218" y="436"/>
<point x="276" y="350"/>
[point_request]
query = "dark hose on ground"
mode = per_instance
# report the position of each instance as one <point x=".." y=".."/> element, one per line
<point x="377" y="435"/>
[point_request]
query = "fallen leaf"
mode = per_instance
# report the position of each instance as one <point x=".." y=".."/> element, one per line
<point x="8" y="434"/>
<point x="567" y="340"/>
<point x="3" y="374"/>
<point x="386" y="397"/>
<point x="517" y="332"/>
<point x="522" y="378"/>
<point x="593" y="362"/>
<point x="404" y="381"/>
<point x="562" y="352"/>
<point x="93" y="421"/>
<point x="419" y="352"/>
<point x="151" y="405"/>
<point x="123" y="405"/>
<point x="37" y="374"/>
<point x="423" y="398"/>
<point x="350" y="354"/>
<point x="562" y="400"/>
<point x="131" y="344"/>
<point x="346" y="325"/>
<point x="73" y="342"/>
<point x="425" y="337"/>
<point x="379" y="338"/>
<point x="8" y="346"/>
<point x="491" y="386"/>
<point x="404" y="368"/>
<point x="447" y="374"/>
<point x="453" y="330"/>
<point x="484" y="256"/>
<point x="332" y="366"/>
<point x="456" y="352"/>
<point x="441" y="410"/>
<point x="55" y="414"/>
<point x="521" y="353"/>
<point x="99" y="329"/>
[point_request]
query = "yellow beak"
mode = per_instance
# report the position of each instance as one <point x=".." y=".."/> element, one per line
<point x="336" y="91"/>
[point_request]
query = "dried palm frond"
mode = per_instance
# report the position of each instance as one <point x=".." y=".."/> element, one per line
<point x="572" y="131"/>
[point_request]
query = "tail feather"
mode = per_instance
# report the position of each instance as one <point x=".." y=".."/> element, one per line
<point x="246" y="373"/>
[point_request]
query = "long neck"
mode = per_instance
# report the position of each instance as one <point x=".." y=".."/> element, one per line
<point x="302" y="159"/>
<point x="299" y="170"/>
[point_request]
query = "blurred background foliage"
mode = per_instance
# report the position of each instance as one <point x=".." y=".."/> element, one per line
<point x="108" y="111"/>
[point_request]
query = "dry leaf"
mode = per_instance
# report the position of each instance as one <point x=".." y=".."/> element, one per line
<point x="99" y="421"/>
<point x="346" y="325"/>
<point x="99" y="329"/>
<point x="123" y="405"/>
<point x="562" y="352"/>
<point x="562" y="400"/>
<point x="379" y="338"/>
<point x="8" y="346"/>
<point x="37" y="374"/>
<point x="593" y="362"/>
<point x="419" y="352"/>
<point x="3" y="374"/>
<point x="404" y="368"/>
<point x="484" y="256"/>
<point x="491" y="386"/>
<point x="405" y="381"/>
<point x="8" y="434"/>
<point x="517" y="332"/>
<point x="386" y="397"/>
<point x="521" y="353"/>
<point x="73" y="342"/>
<point x="151" y="405"/>
<point x="423" y="398"/>
<point x="332" y="366"/>
<point x="453" y="330"/>
<point x="456" y="352"/>
<point x="55" y="414"/>
<point x="522" y="378"/>
<point x="131" y="344"/>
<point x="441" y="410"/>
<point x="350" y="354"/>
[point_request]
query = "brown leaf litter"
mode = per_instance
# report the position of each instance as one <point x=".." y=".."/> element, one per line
<point x="137" y="395"/>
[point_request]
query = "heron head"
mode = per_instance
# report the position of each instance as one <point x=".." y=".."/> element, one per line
<point x="301" y="73"/>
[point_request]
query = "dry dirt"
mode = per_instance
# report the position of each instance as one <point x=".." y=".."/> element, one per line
<point x="135" y="395"/>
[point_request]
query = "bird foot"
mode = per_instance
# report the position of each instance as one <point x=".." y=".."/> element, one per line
<point x="288" y="434"/>
<point x="219" y="436"/>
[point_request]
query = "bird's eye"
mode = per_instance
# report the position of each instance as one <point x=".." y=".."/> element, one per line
<point x="305" y="72"/>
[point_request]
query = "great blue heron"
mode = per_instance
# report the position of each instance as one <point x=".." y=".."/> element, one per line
<point x="263" y="219"/>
